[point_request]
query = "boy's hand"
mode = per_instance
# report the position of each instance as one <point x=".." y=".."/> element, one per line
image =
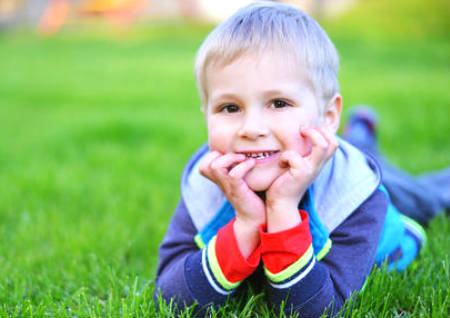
<point x="228" y="172"/>
<point x="282" y="197"/>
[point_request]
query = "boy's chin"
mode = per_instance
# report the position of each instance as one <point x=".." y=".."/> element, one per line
<point x="258" y="187"/>
<point x="259" y="183"/>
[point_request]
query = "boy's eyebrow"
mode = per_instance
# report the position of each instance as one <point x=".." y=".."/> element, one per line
<point x="282" y="91"/>
<point x="287" y="92"/>
<point x="274" y="92"/>
<point x="221" y="96"/>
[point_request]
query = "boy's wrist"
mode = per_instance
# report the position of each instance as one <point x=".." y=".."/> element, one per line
<point x="274" y="206"/>
<point x="281" y="217"/>
<point x="247" y="236"/>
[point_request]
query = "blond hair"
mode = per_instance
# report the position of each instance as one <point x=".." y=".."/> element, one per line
<point x="266" y="25"/>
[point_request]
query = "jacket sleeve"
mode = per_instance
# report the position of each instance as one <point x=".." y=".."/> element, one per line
<point x="309" y="286"/>
<point x="206" y="276"/>
<point x="176" y="247"/>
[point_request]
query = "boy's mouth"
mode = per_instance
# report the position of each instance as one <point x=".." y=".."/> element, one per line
<point x="259" y="154"/>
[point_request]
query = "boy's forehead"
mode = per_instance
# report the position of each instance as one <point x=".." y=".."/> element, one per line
<point x="266" y="67"/>
<point x="254" y="58"/>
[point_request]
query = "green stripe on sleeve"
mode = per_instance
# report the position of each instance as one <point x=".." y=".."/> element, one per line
<point x="215" y="267"/>
<point x="292" y="269"/>
<point x="198" y="240"/>
<point x="325" y="249"/>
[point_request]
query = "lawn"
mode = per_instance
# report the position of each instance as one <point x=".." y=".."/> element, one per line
<point x="96" y="125"/>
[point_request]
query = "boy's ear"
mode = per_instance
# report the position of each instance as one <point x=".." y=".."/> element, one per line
<point x="332" y="113"/>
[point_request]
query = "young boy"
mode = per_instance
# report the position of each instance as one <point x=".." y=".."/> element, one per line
<point x="275" y="196"/>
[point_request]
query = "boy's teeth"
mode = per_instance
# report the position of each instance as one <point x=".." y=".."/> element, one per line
<point x="259" y="155"/>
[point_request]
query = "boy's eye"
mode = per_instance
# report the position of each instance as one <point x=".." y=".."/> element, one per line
<point x="278" y="103"/>
<point x="230" y="108"/>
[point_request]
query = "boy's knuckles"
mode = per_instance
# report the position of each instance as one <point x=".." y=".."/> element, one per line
<point x="322" y="145"/>
<point x="204" y="169"/>
<point x="210" y="157"/>
<point x="204" y="164"/>
<point x="207" y="161"/>
<point x="207" y="173"/>
<point x="233" y="177"/>
<point x="216" y="165"/>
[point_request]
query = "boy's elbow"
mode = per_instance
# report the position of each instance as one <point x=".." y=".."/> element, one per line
<point x="327" y="301"/>
<point x="170" y="303"/>
<point x="169" y="298"/>
<point x="170" y="290"/>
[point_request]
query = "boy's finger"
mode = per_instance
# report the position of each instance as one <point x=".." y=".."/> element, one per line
<point x="209" y="158"/>
<point x="205" y="164"/>
<point x="223" y="164"/>
<point x="292" y="160"/>
<point x="319" y="145"/>
<point x="331" y="139"/>
<point x="240" y="170"/>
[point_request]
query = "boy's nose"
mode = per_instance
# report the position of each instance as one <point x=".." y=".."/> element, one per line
<point x="253" y="127"/>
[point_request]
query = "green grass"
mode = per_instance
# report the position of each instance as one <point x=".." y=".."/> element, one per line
<point x="95" y="128"/>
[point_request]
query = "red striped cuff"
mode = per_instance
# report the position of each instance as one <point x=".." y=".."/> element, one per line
<point x="281" y="249"/>
<point x="232" y="263"/>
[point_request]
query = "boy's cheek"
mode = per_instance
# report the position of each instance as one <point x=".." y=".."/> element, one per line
<point x="215" y="146"/>
<point x="216" y="142"/>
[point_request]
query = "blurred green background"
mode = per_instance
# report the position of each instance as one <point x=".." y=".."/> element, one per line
<point x="96" y="125"/>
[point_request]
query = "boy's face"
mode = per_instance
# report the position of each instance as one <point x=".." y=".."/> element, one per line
<point x="257" y="106"/>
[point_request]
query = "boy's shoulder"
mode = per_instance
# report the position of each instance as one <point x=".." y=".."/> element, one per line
<point x="345" y="182"/>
